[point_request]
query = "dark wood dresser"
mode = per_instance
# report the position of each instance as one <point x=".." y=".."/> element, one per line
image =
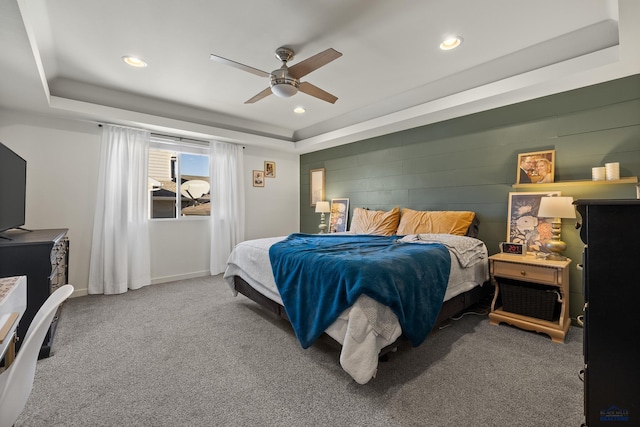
<point x="611" y="287"/>
<point x="42" y="256"/>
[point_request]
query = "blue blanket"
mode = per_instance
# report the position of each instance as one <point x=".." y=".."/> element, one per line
<point x="319" y="276"/>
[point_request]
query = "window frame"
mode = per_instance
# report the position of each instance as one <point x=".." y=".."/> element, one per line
<point x="179" y="146"/>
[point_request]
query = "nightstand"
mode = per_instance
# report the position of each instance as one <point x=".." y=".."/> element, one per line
<point x="531" y="293"/>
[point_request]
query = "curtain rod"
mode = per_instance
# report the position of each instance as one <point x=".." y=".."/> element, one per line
<point x="179" y="138"/>
<point x="173" y="137"/>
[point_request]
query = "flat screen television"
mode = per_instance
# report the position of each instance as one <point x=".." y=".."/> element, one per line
<point x="13" y="188"/>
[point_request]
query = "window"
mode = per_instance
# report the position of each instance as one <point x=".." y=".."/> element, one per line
<point x="179" y="182"/>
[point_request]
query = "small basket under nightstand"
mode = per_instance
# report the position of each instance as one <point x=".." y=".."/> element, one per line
<point x="528" y="299"/>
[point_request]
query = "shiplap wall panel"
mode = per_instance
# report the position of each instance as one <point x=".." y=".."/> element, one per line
<point x="614" y="116"/>
<point x="470" y="163"/>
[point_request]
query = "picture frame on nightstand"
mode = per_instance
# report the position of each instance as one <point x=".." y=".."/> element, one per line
<point x="339" y="215"/>
<point x="524" y="226"/>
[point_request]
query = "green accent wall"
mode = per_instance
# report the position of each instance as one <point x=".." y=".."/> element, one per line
<point x="470" y="163"/>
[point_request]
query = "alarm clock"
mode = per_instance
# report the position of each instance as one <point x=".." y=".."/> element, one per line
<point x="512" y="248"/>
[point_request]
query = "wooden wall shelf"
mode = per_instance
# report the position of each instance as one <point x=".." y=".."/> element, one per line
<point x="626" y="180"/>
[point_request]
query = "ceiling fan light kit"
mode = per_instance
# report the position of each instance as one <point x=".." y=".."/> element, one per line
<point x="285" y="82"/>
<point x="284" y="89"/>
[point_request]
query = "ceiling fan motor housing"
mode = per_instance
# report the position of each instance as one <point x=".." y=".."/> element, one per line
<point x="282" y="84"/>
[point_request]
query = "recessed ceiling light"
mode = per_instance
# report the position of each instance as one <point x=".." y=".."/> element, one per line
<point x="134" y="62"/>
<point x="451" y="43"/>
<point x="299" y="110"/>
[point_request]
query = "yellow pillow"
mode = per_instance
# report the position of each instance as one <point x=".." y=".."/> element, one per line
<point x="435" y="222"/>
<point x="375" y="222"/>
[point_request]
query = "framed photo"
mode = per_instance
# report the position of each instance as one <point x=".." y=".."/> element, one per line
<point x="316" y="185"/>
<point x="524" y="226"/>
<point x="536" y="168"/>
<point x="258" y="178"/>
<point x="269" y="169"/>
<point x="339" y="215"/>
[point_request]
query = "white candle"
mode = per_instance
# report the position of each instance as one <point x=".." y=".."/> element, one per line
<point x="598" y="173"/>
<point x="612" y="171"/>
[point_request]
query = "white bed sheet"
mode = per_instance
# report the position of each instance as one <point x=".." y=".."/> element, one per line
<point x="367" y="326"/>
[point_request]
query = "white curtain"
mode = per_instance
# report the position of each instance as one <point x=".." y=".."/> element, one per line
<point x="120" y="254"/>
<point x="227" y="202"/>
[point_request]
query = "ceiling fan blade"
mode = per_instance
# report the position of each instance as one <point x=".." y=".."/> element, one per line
<point x="235" y="64"/>
<point x="303" y="68"/>
<point x="259" y="96"/>
<point x="315" y="91"/>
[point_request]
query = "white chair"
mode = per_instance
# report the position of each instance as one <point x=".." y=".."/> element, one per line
<point x="16" y="381"/>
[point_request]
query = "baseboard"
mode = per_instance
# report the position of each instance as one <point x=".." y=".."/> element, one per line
<point x="165" y="279"/>
<point x="157" y="280"/>
<point x="79" y="293"/>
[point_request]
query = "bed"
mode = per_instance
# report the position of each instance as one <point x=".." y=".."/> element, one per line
<point x="367" y="328"/>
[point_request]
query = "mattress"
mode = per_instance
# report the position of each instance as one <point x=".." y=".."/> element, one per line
<point x="367" y="326"/>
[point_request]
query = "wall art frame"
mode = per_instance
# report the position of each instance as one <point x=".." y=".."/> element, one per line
<point x="537" y="167"/>
<point x="269" y="169"/>
<point x="258" y="178"/>
<point x="316" y="185"/>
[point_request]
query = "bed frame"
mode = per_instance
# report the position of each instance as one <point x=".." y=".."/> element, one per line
<point x="449" y="308"/>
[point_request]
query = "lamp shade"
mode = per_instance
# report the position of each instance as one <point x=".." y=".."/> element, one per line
<point x="556" y="207"/>
<point x="322" y="207"/>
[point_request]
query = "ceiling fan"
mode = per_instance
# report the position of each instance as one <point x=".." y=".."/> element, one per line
<point x="285" y="81"/>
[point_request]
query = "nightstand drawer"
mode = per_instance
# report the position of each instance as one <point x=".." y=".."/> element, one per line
<point x="530" y="273"/>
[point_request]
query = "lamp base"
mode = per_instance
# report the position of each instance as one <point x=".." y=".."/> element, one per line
<point x="556" y="247"/>
<point x="556" y="257"/>
<point x="323" y="225"/>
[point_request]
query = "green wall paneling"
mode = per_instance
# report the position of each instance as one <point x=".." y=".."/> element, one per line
<point x="469" y="163"/>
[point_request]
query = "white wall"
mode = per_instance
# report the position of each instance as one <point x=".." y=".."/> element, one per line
<point x="62" y="163"/>
<point x="179" y="249"/>
<point x="272" y="210"/>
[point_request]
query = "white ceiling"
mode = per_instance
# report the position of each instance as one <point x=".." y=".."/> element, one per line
<point x="63" y="57"/>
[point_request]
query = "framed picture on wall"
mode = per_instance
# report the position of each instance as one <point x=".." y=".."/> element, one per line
<point x="269" y="169"/>
<point x="524" y="226"/>
<point x="316" y="182"/>
<point x="339" y="215"/>
<point x="258" y="178"/>
<point x="536" y="168"/>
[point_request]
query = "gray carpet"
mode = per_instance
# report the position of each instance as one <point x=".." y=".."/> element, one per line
<point x="190" y="354"/>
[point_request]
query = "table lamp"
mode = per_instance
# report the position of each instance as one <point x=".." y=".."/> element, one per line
<point x="557" y="208"/>
<point x="322" y="208"/>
